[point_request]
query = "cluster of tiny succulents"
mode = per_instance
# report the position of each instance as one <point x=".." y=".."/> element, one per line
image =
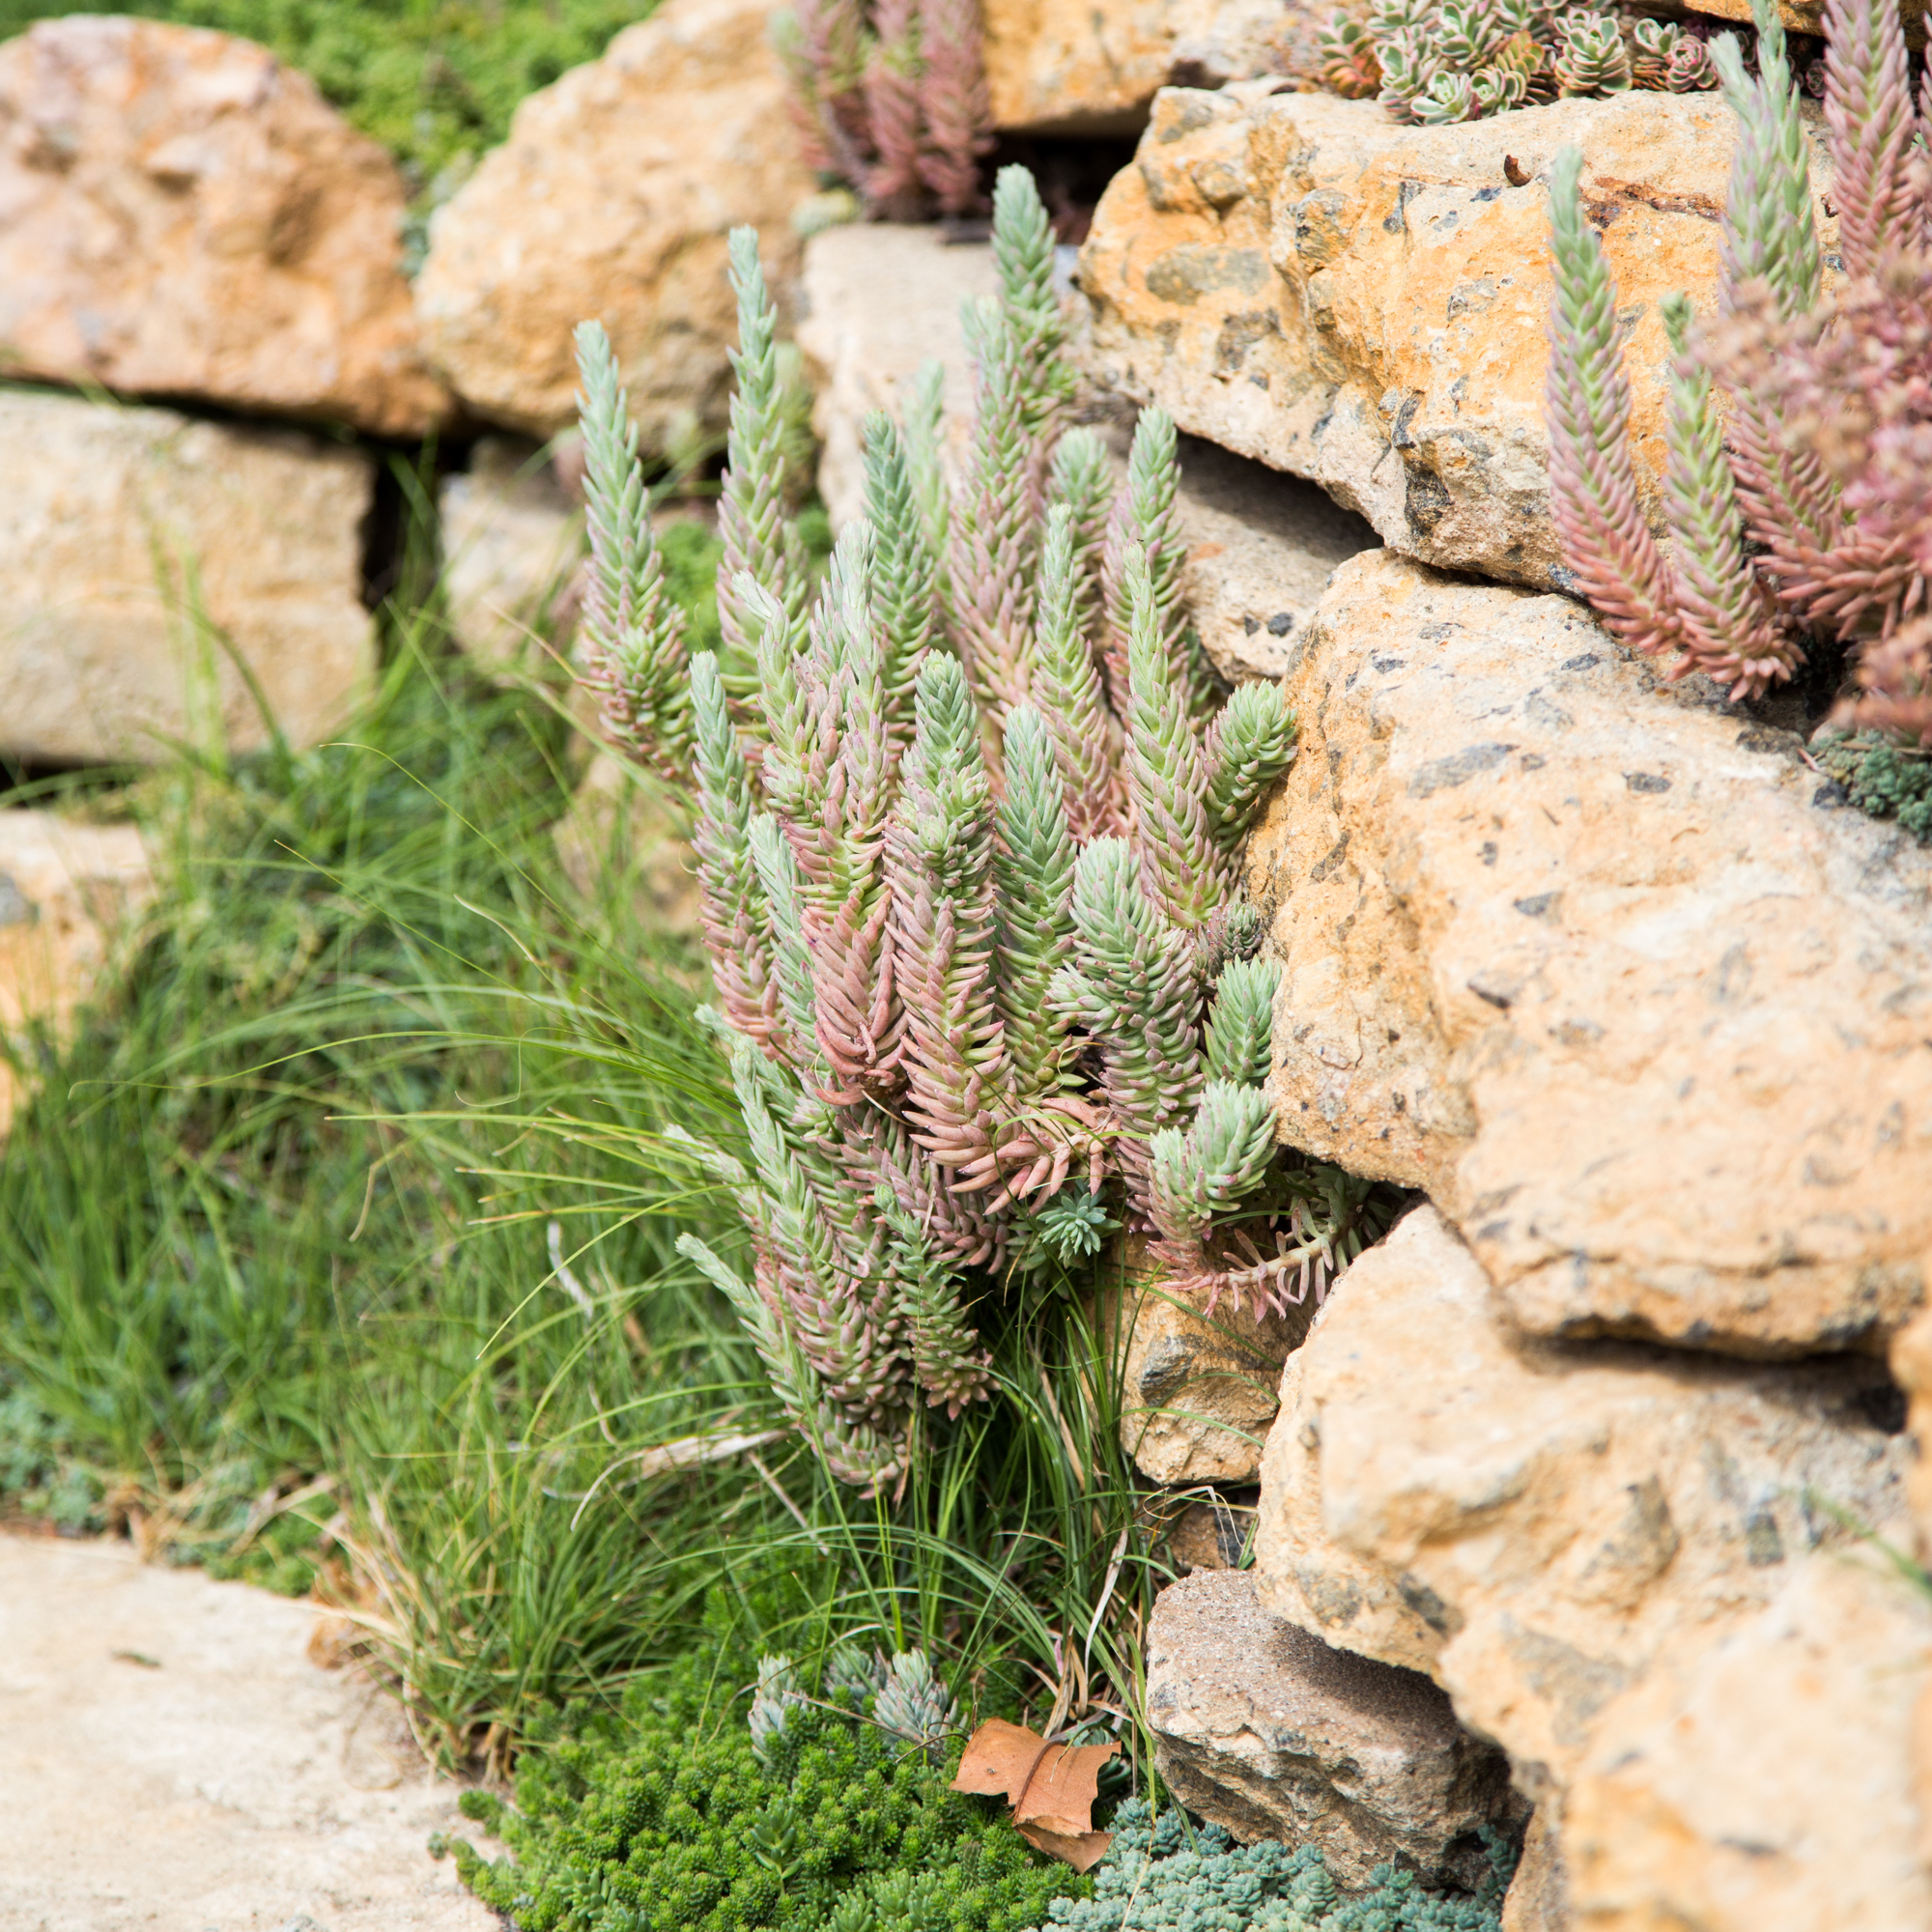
<point x="1163" y="1875"/>
<point x="824" y="1813"/>
<point x="967" y="833"/>
<point x="890" y="96"/>
<point x="1464" y="59"/>
<point x="1798" y="491"/>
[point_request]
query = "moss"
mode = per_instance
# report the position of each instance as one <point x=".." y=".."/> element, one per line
<point x="1885" y="781"/>
<point x="664" y="1819"/>
<point x="436" y="81"/>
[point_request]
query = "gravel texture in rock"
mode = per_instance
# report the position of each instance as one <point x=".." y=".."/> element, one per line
<point x="1305" y="281"/>
<point x="1595" y="961"/>
<point x="1264" y="1728"/>
<point x="181" y="216"/>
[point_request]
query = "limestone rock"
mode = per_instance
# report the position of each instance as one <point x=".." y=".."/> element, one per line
<point x="1262" y="550"/>
<point x="1301" y="279"/>
<point x="1264" y="1728"/>
<point x="1630" y="1568"/>
<point x="1538" y="1897"/>
<point x="1199" y="1391"/>
<point x="182" y="215"/>
<point x="621" y="824"/>
<point x="510" y="539"/>
<point x="612" y="200"/>
<point x="1591" y="959"/>
<point x="880" y="300"/>
<point x="67" y="890"/>
<point x="1211" y="1534"/>
<point x="118" y="525"/>
<point x="1075" y="67"/>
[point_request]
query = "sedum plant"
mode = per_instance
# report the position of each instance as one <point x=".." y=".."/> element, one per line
<point x="1465" y="59"/>
<point x="891" y="98"/>
<point x="967" y="833"/>
<point x="1163" y="1874"/>
<point x="825" y="1813"/>
<point x="1799" y="493"/>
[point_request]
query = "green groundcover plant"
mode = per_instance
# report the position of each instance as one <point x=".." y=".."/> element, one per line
<point x="833" y="1814"/>
<point x="1161" y="1874"/>
<point x="689" y="1811"/>
<point x="436" y="81"/>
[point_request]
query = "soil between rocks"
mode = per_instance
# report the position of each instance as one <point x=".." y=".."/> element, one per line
<point x="170" y="1760"/>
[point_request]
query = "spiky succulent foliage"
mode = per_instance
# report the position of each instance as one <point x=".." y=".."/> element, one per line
<point x="1467" y="59"/>
<point x="909" y="572"/>
<point x="1799" y="510"/>
<point x="1067" y="686"/>
<point x="1081" y="481"/>
<point x="890" y="96"/>
<point x="631" y="631"/>
<point x="1023" y="257"/>
<point x="914" y="1704"/>
<point x="923" y="433"/>
<point x="985" y="1002"/>
<point x="759" y="543"/>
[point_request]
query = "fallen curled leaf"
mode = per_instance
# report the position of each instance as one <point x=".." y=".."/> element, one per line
<point x="1050" y="1787"/>
<point x="1082" y="1852"/>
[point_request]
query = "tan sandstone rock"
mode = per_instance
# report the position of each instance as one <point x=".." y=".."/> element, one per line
<point x="1630" y="1568"/>
<point x="1198" y="1391"/>
<point x="118" y="526"/>
<point x="66" y="892"/>
<point x="1589" y="958"/>
<point x="880" y="300"/>
<point x="1302" y="280"/>
<point x="182" y="215"/>
<point x="1265" y="1729"/>
<point x="877" y="300"/>
<point x="1077" y="66"/>
<point x="612" y="200"/>
<point x="511" y="537"/>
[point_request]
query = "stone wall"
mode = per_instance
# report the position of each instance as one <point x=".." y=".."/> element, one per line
<point x="1602" y="1438"/>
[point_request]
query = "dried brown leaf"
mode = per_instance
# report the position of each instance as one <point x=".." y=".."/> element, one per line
<point x="1082" y="1852"/>
<point x="1050" y="1787"/>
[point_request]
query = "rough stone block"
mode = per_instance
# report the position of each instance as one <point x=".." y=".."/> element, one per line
<point x="67" y="890"/>
<point x="1638" y="1571"/>
<point x="1305" y="281"/>
<point x="511" y="537"/>
<point x="612" y="201"/>
<point x="119" y="525"/>
<point x="1599" y="963"/>
<point x="1264" y="1728"/>
<point x="181" y="216"/>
